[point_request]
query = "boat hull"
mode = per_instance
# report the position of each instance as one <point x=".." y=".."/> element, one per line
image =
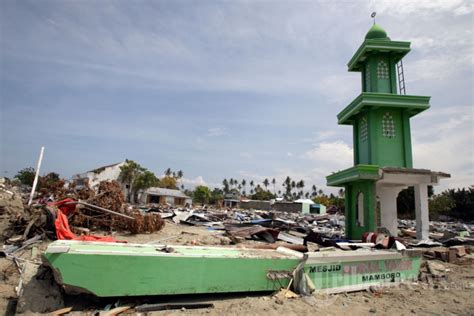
<point x="120" y="270"/>
<point x="111" y="269"/>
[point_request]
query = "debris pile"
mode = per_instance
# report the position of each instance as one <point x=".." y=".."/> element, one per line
<point x="103" y="210"/>
<point x="109" y="196"/>
<point x="22" y="222"/>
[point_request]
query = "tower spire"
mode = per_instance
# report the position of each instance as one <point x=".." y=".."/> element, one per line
<point x="373" y="15"/>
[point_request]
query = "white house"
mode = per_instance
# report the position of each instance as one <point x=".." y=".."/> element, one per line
<point x="95" y="176"/>
<point x="150" y="195"/>
<point x="164" y="196"/>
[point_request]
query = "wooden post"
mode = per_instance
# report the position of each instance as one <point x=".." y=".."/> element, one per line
<point x="35" y="182"/>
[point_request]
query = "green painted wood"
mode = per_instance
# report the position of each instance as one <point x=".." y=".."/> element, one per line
<point x="109" y="269"/>
<point x="118" y="270"/>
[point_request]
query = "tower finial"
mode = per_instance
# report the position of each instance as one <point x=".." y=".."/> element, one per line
<point x="373" y="15"/>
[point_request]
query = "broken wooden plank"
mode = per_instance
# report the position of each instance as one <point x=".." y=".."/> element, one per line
<point x="290" y="238"/>
<point x="61" y="311"/>
<point x="100" y="208"/>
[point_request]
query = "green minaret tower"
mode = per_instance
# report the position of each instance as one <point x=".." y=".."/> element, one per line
<point x="380" y="118"/>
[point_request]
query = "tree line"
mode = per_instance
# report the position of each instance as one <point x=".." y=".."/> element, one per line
<point x="454" y="203"/>
<point x="132" y="174"/>
<point x="292" y="189"/>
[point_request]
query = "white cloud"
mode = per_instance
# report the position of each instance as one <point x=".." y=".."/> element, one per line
<point x="464" y="9"/>
<point x="435" y="68"/>
<point x="333" y="156"/>
<point x="447" y="145"/>
<point x="419" y="7"/>
<point x="339" y="88"/>
<point x="191" y="183"/>
<point x="246" y="155"/>
<point x="216" y="131"/>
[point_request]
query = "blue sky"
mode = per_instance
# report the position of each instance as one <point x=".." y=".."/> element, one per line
<point x="222" y="89"/>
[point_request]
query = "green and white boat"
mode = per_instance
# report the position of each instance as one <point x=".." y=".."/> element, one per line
<point x="117" y="269"/>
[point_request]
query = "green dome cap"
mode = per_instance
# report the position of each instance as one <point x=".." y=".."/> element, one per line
<point x="376" y="32"/>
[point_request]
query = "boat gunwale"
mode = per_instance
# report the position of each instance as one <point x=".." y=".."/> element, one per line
<point x="238" y="253"/>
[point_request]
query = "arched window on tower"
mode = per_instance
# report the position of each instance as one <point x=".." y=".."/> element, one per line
<point x="388" y="126"/>
<point x="382" y="70"/>
<point x="364" y="132"/>
<point x="360" y="209"/>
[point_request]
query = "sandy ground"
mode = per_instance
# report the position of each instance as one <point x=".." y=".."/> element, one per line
<point x="452" y="295"/>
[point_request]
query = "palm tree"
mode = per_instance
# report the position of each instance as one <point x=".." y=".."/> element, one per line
<point x="266" y="183"/>
<point x="240" y="187"/>
<point x="287" y="185"/>
<point x="301" y="185"/>
<point x="279" y="192"/>
<point x="225" y="184"/>
<point x="251" y="185"/>
<point x="244" y="183"/>
<point x="341" y="192"/>
<point x="273" y="182"/>
<point x="168" y="172"/>
<point x="306" y="195"/>
<point x="293" y="185"/>
<point x="180" y="174"/>
<point x="314" y="193"/>
<point x="320" y="192"/>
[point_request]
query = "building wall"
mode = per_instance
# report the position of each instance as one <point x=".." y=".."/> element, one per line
<point x="256" y="205"/>
<point x="287" y="207"/>
<point x="356" y="226"/>
<point x="109" y="173"/>
<point x="385" y="147"/>
<point x="145" y="198"/>
<point x="322" y="209"/>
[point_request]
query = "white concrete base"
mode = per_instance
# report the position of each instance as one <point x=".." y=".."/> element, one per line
<point x="387" y="197"/>
<point x="392" y="181"/>
<point x="422" y="212"/>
